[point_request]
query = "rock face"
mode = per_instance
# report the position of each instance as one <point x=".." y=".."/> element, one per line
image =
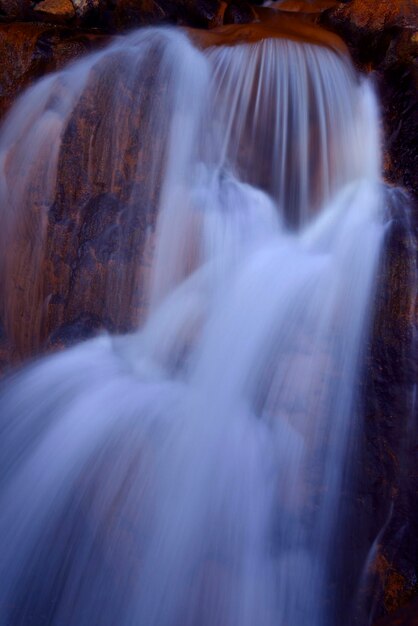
<point x="407" y="616"/>
<point x="111" y="205"/>
<point x="31" y="50"/>
<point x="57" y="10"/>
<point x="373" y="17"/>
<point x="383" y="39"/>
<point x="88" y="218"/>
<point x="15" y="8"/>
<point x="84" y="7"/>
<point x="386" y="495"/>
<point x="115" y="14"/>
<point x="239" y="13"/>
<point x="91" y="207"/>
<point x="90" y="211"/>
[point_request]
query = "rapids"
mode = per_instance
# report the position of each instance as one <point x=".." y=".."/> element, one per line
<point x="191" y="473"/>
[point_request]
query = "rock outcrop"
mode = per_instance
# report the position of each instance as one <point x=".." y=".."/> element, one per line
<point x="57" y="10"/>
<point x="387" y="487"/>
<point x="382" y="37"/>
<point x="31" y="50"/>
<point x="383" y="40"/>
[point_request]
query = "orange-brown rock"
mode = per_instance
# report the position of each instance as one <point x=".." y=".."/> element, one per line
<point x="19" y="55"/>
<point x="305" y="6"/>
<point x="57" y="10"/>
<point x="98" y="221"/>
<point x="377" y="15"/>
<point x="84" y="265"/>
<point x="269" y="24"/>
<point x="31" y="50"/>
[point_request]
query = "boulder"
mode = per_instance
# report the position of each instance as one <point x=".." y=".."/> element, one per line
<point x="55" y="10"/>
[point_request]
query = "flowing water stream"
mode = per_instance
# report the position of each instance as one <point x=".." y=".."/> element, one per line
<point x="191" y="473"/>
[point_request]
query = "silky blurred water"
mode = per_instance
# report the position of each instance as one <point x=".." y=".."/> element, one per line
<point x="191" y="473"/>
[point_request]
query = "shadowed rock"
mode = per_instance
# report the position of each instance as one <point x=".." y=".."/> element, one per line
<point x="383" y="39"/>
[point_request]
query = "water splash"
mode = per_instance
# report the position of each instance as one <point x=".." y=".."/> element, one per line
<point x="191" y="473"/>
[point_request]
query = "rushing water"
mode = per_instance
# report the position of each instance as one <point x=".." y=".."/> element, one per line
<point x="190" y="474"/>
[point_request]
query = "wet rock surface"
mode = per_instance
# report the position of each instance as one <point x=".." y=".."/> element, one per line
<point x="59" y="10"/>
<point x="383" y="41"/>
<point x="386" y="493"/>
<point x="31" y="50"/>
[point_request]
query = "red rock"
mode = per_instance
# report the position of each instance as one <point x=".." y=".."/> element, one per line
<point x="377" y="15"/>
<point x="305" y="6"/>
<point x="19" y="64"/>
<point x="31" y="50"/>
<point x="56" y="10"/>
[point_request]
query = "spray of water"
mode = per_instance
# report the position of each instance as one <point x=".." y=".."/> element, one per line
<point x="191" y="473"/>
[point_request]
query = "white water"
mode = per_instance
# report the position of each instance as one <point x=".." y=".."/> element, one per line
<point x="190" y="474"/>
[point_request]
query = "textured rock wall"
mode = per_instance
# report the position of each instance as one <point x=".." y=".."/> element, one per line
<point x="383" y="41"/>
<point x="29" y="50"/>
<point x="68" y="300"/>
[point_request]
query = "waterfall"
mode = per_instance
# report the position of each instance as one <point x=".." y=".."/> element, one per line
<point x="191" y="472"/>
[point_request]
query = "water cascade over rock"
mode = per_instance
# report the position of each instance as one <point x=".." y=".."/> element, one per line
<point x="192" y="472"/>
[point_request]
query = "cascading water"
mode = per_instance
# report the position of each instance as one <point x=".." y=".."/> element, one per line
<point x="191" y="473"/>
